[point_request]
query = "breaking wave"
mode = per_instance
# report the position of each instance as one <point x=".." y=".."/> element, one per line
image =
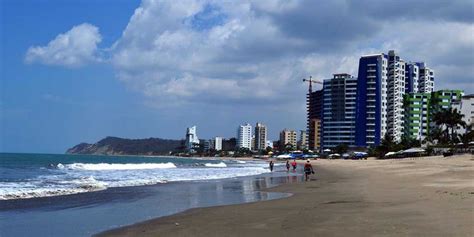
<point x="106" y="166"/>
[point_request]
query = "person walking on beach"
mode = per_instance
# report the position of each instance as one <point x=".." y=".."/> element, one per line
<point x="294" y="164"/>
<point x="287" y="166"/>
<point x="271" y="165"/>
<point x="308" y="170"/>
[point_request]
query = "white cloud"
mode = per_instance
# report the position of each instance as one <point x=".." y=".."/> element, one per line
<point x="244" y="52"/>
<point x="74" y="48"/>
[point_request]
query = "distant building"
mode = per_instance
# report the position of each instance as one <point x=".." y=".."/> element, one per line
<point x="260" y="136"/>
<point x="314" y="101"/>
<point x="466" y="107"/>
<point x="315" y="136"/>
<point x="229" y="144"/>
<point x="443" y="99"/>
<point x="371" y="104"/>
<point x="269" y="143"/>
<point x="303" y="140"/>
<point x="287" y="137"/>
<point x="395" y="93"/>
<point x="417" y="115"/>
<point x="426" y="79"/>
<point x="244" y="136"/>
<point x="412" y="77"/>
<point x="339" y="109"/>
<point x="218" y="143"/>
<point x="192" y="140"/>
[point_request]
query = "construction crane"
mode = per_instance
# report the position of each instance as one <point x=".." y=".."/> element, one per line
<point x="311" y="81"/>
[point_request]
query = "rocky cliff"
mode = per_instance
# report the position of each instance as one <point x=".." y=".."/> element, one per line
<point x="123" y="146"/>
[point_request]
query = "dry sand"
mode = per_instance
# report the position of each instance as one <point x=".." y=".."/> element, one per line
<point x="410" y="197"/>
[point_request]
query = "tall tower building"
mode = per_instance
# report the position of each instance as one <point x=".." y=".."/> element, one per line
<point x="426" y="79"/>
<point x="412" y="77"/>
<point x="417" y="115"/>
<point x="395" y="93"/>
<point x="314" y="111"/>
<point x="218" y="143"/>
<point x="260" y="136"/>
<point x="303" y="142"/>
<point x="371" y="102"/>
<point x="339" y="111"/>
<point x="192" y="139"/>
<point x="244" y="136"/>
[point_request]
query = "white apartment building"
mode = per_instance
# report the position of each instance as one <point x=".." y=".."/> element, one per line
<point x="244" y="136"/>
<point x="466" y="107"/>
<point x="426" y="79"/>
<point x="395" y="93"/>
<point x="218" y="143"/>
<point x="260" y="136"/>
<point x="191" y="138"/>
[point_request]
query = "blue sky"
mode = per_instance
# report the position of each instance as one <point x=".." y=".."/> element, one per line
<point x="77" y="71"/>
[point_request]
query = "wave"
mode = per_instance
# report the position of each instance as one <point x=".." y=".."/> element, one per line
<point x="106" y="166"/>
<point x="219" y="165"/>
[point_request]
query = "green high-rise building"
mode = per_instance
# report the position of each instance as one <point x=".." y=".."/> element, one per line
<point x="420" y="107"/>
<point x="417" y="115"/>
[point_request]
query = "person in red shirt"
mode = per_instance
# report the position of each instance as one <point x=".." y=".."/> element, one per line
<point x="294" y="164"/>
<point x="308" y="170"/>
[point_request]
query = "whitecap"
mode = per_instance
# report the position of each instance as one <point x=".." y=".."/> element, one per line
<point x="219" y="165"/>
<point x="106" y="166"/>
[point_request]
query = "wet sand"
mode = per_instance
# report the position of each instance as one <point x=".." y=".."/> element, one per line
<point x="410" y="197"/>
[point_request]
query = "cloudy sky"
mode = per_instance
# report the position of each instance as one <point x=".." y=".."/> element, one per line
<point x="77" y="71"/>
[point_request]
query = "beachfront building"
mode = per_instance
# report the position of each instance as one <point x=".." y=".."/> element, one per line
<point x="466" y="107"/>
<point x="260" y="136"/>
<point x="417" y="115"/>
<point x="371" y="102"/>
<point x="443" y="99"/>
<point x="412" y="77"/>
<point x="218" y="143"/>
<point x="426" y="78"/>
<point x="192" y="140"/>
<point x="314" y="104"/>
<point x="395" y="93"/>
<point x="287" y="137"/>
<point x="339" y="108"/>
<point x="244" y="136"/>
<point x="303" y="140"/>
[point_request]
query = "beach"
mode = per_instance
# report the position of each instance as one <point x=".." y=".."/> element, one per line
<point x="431" y="196"/>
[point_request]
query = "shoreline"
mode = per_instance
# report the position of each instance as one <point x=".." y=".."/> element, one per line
<point x="424" y="196"/>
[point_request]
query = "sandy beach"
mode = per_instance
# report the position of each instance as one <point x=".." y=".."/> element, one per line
<point x="408" y="197"/>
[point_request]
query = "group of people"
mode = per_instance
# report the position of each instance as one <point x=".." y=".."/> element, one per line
<point x="308" y="168"/>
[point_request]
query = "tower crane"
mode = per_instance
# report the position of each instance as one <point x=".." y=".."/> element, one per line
<point x="311" y="81"/>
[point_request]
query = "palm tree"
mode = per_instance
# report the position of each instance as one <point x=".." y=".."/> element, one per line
<point x="442" y="120"/>
<point x="455" y="120"/>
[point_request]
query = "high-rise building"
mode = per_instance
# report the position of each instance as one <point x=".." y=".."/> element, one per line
<point x="218" y="143"/>
<point x="244" y="136"/>
<point x="443" y="99"/>
<point x="395" y="93"/>
<point x="288" y="137"/>
<point x="303" y="142"/>
<point x="192" y="140"/>
<point x="314" y="110"/>
<point x="260" y="136"/>
<point x="339" y="108"/>
<point x="417" y="115"/>
<point x="412" y="77"/>
<point x="315" y="126"/>
<point x="426" y="79"/>
<point x="371" y="102"/>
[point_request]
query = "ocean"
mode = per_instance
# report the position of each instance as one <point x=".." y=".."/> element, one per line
<point x="80" y="195"/>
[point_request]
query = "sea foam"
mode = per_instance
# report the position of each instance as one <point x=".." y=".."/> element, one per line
<point x="219" y="165"/>
<point x="106" y="166"/>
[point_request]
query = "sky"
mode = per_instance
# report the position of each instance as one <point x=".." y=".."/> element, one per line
<point x="80" y="70"/>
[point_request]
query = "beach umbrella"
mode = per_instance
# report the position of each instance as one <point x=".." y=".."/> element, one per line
<point x="327" y="150"/>
<point x="414" y="150"/>
<point x="390" y="153"/>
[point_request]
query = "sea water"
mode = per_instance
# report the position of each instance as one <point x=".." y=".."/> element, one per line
<point x="80" y="195"/>
<point x="38" y="175"/>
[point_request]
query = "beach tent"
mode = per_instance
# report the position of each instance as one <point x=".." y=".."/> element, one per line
<point x="327" y="150"/>
<point x="284" y="156"/>
<point x="391" y="153"/>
